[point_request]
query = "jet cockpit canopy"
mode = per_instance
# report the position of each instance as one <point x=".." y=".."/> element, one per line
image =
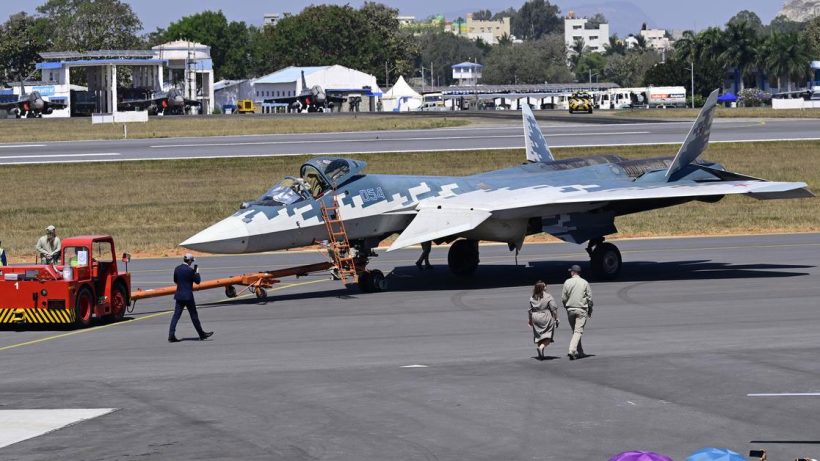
<point x="317" y="176"/>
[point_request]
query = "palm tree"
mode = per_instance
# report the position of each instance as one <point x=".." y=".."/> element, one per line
<point x="615" y="46"/>
<point x="786" y="55"/>
<point x="741" y="49"/>
<point x="686" y="49"/>
<point x="710" y="44"/>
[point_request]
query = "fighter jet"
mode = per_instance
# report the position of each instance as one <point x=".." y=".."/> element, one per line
<point x="171" y="102"/>
<point x="30" y="105"/>
<point x="575" y="199"/>
<point x="311" y="99"/>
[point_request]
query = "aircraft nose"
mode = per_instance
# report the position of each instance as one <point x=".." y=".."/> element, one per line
<point x="229" y="236"/>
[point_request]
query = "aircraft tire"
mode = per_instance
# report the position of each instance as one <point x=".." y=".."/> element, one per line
<point x="606" y="261"/>
<point x="377" y="281"/>
<point x="463" y="257"/>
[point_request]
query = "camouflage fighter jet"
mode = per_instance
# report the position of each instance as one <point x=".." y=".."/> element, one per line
<point x="575" y="199"/>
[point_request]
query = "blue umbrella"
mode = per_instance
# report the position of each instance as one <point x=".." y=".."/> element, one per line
<point x="715" y="454"/>
<point x="640" y="456"/>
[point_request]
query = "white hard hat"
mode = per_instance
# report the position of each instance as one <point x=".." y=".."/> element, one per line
<point x="51" y="229"/>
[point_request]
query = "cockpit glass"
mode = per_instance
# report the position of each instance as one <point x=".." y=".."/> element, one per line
<point x="315" y="183"/>
<point x="337" y="169"/>
<point x="290" y="190"/>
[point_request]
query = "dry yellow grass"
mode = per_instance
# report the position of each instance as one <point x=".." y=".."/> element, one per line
<point x="152" y="206"/>
<point x="76" y="129"/>
<point x="722" y="112"/>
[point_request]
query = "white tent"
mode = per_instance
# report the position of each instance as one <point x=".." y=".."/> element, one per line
<point x="401" y="98"/>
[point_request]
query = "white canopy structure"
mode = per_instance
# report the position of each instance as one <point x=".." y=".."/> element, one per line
<point x="401" y="98"/>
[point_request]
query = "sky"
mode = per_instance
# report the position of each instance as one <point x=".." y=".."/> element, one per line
<point x="665" y="14"/>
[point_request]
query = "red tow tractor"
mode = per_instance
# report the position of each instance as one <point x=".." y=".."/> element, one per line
<point x="87" y="285"/>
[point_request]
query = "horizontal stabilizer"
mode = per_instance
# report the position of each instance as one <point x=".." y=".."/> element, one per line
<point x="698" y="138"/>
<point x="435" y="223"/>
<point x="537" y="149"/>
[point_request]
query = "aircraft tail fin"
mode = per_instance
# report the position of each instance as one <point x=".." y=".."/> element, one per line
<point x="537" y="149"/>
<point x="304" y="82"/>
<point x="698" y="138"/>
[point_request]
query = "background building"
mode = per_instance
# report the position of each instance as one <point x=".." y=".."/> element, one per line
<point x="577" y="29"/>
<point x="189" y="67"/>
<point x="488" y="31"/>
<point x="656" y="38"/>
<point x="467" y="73"/>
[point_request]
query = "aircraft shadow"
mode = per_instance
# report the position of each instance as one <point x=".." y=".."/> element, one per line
<point x="411" y="279"/>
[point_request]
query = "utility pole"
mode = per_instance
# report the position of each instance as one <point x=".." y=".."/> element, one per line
<point x="432" y="80"/>
<point x="692" y="69"/>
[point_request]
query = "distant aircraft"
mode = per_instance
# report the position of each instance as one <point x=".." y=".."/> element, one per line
<point x="30" y="105"/>
<point x="312" y="99"/>
<point x="171" y="102"/>
<point x="575" y="199"/>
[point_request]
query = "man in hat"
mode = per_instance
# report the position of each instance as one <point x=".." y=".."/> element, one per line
<point x="49" y="247"/>
<point x="577" y="299"/>
<point x="185" y="276"/>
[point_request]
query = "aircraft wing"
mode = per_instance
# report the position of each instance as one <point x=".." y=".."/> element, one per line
<point x="442" y="217"/>
<point x="9" y="105"/>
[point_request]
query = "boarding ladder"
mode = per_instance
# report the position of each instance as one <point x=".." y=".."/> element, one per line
<point x="338" y="243"/>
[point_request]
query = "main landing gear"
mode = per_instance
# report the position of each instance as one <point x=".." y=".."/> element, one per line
<point x="605" y="259"/>
<point x="463" y="257"/>
<point x="368" y="280"/>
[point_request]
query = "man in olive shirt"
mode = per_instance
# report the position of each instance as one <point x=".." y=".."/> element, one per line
<point x="48" y="247"/>
<point x="577" y="299"/>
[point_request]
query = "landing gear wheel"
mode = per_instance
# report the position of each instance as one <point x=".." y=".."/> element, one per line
<point x="606" y="261"/>
<point x="82" y="308"/>
<point x="463" y="257"/>
<point x="119" y="302"/>
<point x="261" y="293"/>
<point x="364" y="282"/>
<point x="230" y="291"/>
<point x="372" y="281"/>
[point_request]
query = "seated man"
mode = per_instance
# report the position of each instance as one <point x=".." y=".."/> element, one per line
<point x="48" y="247"/>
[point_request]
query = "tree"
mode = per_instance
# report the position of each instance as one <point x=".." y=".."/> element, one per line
<point x="749" y="17"/>
<point x="686" y="48"/>
<point x="508" y="13"/>
<point x="786" y="55"/>
<point x="741" y="43"/>
<point x="670" y="73"/>
<point x="22" y="37"/>
<point x="812" y="36"/>
<point x="630" y="69"/>
<point x="483" y="15"/>
<point x="81" y="25"/>
<point x="784" y="25"/>
<point x="588" y="65"/>
<point x="442" y="49"/>
<point x="615" y="46"/>
<point x="368" y="39"/>
<point x="537" y="62"/>
<point x="535" y="19"/>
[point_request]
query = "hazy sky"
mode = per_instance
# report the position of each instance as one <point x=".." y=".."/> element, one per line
<point x="668" y="14"/>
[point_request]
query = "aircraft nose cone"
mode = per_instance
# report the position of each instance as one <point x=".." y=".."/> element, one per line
<point x="229" y="236"/>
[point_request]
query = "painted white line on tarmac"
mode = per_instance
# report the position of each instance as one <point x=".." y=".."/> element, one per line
<point x="19" y="425"/>
<point x="414" y="366"/>
<point x="17" y="146"/>
<point x="787" y="394"/>
<point x="44" y="156"/>
<point x="447" y="138"/>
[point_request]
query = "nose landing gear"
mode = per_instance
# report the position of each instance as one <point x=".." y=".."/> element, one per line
<point x="605" y="259"/>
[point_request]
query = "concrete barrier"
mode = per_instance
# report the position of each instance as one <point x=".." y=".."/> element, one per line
<point x="120" y="117"/>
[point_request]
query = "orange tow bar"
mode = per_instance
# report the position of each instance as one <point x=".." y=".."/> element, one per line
<point x="256" y="282"/>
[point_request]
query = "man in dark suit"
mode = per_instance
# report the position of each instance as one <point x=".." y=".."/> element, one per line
<point x="185" y="276"/>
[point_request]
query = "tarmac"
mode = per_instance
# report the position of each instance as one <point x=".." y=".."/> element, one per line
<point x="702" y="342"/>
<point x="503" y="134"/>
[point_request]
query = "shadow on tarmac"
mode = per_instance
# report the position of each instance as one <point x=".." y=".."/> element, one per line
<point x="411" y="279"/>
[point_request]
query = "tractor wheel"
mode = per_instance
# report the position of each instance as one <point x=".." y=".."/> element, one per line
<point x="119" y="302"/>
<point x="230" y="291"/>
<point x="261" y="293"/>
<point x="83" y="307"/>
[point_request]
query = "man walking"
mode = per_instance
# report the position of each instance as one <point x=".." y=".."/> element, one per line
<point x="185" y="276"/>
<point x="49" y="246"/>
<point x="425" y="256"/>
<point x="577" y="299"/>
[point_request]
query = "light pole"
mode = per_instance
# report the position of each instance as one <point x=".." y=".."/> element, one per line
<point x="591" y="75"/>
<point x="692" y="70"/>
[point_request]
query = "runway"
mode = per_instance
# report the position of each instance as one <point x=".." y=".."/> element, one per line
<point x="501" y="134"/>
<point x="703" y="342"/>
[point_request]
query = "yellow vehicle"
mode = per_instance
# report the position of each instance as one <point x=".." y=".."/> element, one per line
<point x="245" y="106"/>
<point x="581" y="101"/>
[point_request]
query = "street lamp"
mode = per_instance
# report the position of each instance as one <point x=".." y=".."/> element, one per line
<point x="591" y="75"/>
<point x="692" y="70"/>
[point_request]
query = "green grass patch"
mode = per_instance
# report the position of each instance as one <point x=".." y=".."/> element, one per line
<point x="151" y="206"/>
<point x="722" y="112"/>
<point x="80" y="129"/>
